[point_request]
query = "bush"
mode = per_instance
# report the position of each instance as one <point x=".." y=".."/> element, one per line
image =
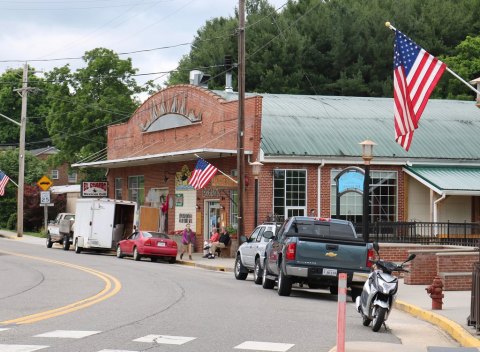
<point x="12" y="222"/>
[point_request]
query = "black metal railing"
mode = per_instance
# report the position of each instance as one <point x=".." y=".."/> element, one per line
<point x="441" y="233"/>
<point x="474" y="318"/>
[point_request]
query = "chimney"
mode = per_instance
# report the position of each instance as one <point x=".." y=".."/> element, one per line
<point x="477" y="82"/>
<point x="198" y="78"/>
<point x="228" y="74"/>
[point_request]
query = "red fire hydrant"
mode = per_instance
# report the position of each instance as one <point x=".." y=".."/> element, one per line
<point x="436" y="292"/>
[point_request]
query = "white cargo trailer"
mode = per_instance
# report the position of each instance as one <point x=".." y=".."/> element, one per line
<point x="100" y="223"/>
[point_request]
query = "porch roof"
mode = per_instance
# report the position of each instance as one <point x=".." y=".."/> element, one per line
<point x="184" y="155"/>
<point x="462" y="181"/>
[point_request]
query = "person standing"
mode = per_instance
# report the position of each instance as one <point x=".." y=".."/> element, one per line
<point x="188" y="240"/>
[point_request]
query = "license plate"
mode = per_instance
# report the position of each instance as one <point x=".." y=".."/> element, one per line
<point x="161" y="244"/>
<point x="329" y="272"/>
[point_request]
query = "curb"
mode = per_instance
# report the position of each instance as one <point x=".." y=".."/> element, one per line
<point x="205" y="266"/>
<point x="456" y="331"/>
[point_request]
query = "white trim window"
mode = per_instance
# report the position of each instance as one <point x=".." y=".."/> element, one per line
<point x="136" y="189"/>
<point x="72" y="177"/>
<point x="118" y="187"/>
<point x="54" y="174"/>
<point x="289" y="193"/>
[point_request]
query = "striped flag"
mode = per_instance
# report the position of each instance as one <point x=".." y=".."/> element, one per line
<point x="3" y="182"/>
<point x="202" y="174"/>
<point x="415" y="75"/>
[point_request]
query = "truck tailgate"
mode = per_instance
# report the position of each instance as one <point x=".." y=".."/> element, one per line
<point x="347" y="256"/>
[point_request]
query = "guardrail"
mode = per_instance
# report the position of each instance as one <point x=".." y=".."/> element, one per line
<point x="474" y="318"/>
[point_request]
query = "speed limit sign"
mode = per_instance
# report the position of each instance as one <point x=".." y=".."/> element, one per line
<point x="45" y="197"/>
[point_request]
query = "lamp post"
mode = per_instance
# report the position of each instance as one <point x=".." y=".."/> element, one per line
<point x="256" y="168"/>
<point x="367" y="156"/>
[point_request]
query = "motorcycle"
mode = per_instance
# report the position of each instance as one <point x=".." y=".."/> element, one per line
<point x="379" y="291"/>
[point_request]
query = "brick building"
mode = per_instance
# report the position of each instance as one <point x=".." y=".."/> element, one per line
<point x="304" y="142"/>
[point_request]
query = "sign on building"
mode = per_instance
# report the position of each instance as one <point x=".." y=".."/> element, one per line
<point x="94" y="189"/>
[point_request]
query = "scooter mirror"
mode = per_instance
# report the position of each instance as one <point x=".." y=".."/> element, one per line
<point x="411" y="257"/>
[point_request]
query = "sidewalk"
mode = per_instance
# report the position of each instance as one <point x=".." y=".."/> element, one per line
<point x="412" y="299"/>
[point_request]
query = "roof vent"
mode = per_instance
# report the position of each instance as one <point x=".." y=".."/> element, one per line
<point x="198" y="78"/>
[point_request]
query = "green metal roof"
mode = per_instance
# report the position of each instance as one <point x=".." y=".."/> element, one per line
<point x="332" y="126"/>
<point x="448" y="180"/>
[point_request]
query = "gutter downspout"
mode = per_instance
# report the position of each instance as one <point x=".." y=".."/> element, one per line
<point x="435" y="211"/>
<point x="319" y="187"/>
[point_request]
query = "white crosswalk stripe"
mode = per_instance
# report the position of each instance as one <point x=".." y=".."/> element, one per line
<point x="116" y="351"/>
<point x="165" y="339"/>
<point x="3" y="329"/>
<point x="264" y="346"/>
<point x="21" y="348"/>
<point x="68" y="334"/>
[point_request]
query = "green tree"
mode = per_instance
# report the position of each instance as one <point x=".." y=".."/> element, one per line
<point x="83" y="103"/>
<point x="34" y="170"/>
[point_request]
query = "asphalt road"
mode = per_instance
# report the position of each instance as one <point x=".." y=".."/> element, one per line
<point x="52" y="300"/>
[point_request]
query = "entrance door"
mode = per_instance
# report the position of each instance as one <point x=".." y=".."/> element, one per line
<point x="212" y="217"/>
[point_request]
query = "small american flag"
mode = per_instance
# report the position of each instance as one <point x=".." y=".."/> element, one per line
<point x="202" y="174"/>
<point x="3" y="182"/>
<point x="415" y="75"/>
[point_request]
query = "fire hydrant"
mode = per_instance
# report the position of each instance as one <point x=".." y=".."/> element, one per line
<point x="435" y="290"/>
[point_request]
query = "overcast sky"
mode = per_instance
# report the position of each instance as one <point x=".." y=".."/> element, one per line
<point x="56" y="29"/>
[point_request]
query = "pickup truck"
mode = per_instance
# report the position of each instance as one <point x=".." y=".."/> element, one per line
<point x="314" y="251"/>
<point x="60" y="230"/>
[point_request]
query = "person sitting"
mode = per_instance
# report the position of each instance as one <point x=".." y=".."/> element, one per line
<point x="221" y="243"/>
<point x="214" y="237"/>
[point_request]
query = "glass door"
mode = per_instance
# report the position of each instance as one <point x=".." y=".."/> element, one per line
<point x="212" y="215"/>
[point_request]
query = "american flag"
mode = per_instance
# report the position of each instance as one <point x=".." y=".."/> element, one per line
<point x="3" y="182"/>
<point x="202" y="174"/>
<point x="415" y="75"/>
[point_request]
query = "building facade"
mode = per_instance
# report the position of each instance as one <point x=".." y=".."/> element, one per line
<point x="303" y="142"/>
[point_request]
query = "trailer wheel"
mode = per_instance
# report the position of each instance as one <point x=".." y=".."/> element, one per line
<point x="78" y="249"/>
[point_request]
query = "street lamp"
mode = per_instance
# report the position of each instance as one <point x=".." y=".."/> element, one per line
<point x="367" y="156"/>
<point x="256" y="168"/>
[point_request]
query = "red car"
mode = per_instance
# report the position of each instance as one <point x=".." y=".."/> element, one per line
<point x="148" y="244"/>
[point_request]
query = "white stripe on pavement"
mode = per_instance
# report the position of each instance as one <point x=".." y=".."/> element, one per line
<point x="68" y="334"/>
<point x="264" y="346"/>
<point x="165" y="339"/>
<point x="21" y="348"/>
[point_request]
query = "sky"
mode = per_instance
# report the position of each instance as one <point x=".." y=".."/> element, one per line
<point x="66" y="29"/>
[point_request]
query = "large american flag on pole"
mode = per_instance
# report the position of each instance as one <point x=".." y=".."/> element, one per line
<point x="202" y="174"/>
<point x="415" y="75"/>
<point x="3" y="182"/>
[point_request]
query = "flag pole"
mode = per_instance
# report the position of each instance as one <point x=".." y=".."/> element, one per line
<point x="9" y="179"/>
<point x="223" y="173"/>
<point x="388" y="25"/>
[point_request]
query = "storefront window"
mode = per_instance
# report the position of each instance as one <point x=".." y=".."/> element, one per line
<point x="383" y="198"/>
<point x="289" y="193"/>
<point x="118" y="187"/>
<point x="136" y="190"/>
<point x="234" y="208"/>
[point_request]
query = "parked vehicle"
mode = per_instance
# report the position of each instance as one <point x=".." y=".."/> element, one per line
<point x="379" y="292"/>
<point x="314" y="251"/>
<point x="149" y="244"/>
<point x="60" y="230"/>
<point x="250" y="255"/>
<point x="100" y="223"/>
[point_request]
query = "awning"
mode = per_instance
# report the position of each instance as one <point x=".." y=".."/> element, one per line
<point x="163" y="158"/>
<point x="460" y="181"/>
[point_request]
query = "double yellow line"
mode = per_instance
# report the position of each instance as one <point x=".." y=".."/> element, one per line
<point x="112" y="287"/>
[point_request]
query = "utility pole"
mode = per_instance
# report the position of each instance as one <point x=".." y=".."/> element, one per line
<point x="241" y="119"/>
<point x="21" y="155"/>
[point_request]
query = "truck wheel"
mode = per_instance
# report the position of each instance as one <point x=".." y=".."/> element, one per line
<point x="239" y="270"/>
<point x="284" y="284"/>
<point x="257" y="272"/>
<point x="379" y="318"/>
<point x="267" y="283"/>
<point x="66" y="243"/>
<point x="136" y="256"/>
<point x="334" y="290"/>
<point x="78" y="249"/>
<point x="48" y="241"/>
<point x="119" y="252"/>
<point x="355" y="293"/>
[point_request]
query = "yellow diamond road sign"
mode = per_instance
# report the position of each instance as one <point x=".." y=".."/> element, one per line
<point x="44" y="183"/>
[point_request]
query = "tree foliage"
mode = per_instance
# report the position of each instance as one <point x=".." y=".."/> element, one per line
<point x="336" y="47"/>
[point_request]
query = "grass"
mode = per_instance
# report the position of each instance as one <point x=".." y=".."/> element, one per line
<point x="40" y="234"/>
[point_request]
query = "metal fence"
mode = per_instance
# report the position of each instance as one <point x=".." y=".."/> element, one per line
<point x="474" y="318"/>
<point x="442" y="233"/>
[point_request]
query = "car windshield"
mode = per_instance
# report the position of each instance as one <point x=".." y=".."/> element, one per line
<point x="155" y="235"/>
<point x="69" y="217"/>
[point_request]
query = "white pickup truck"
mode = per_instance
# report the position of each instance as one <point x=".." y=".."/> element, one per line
<point x="60" y="230"/>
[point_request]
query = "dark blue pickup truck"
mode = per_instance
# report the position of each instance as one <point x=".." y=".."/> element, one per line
<point x="314" y="251"/>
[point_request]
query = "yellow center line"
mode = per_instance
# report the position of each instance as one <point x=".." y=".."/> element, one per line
<point x="112" y="287"/>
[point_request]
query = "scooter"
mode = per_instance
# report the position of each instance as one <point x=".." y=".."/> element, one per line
<point x="379" y="292"/>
